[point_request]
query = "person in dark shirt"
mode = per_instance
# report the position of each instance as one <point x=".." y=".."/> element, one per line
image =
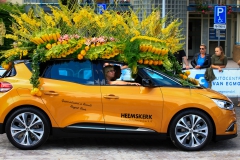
<point x="201" y="59"/>
<point x="181" y="57"/>
<point x="219" y="60"/>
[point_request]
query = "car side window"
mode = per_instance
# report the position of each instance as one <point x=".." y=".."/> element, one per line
<point x="161" y="79"/>
<point x="70" y="70"/>
<point x="122" y="72"/>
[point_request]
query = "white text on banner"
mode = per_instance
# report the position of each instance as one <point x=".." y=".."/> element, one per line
<point x="226" y="82"/>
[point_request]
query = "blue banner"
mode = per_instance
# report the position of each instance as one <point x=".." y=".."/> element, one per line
<point x="226" y="82"/>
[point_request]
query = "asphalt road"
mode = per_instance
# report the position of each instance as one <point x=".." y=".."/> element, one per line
<point x="119" y="148"/>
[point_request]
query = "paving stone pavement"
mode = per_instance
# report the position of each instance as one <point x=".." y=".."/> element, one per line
<point x="105" y="148"/>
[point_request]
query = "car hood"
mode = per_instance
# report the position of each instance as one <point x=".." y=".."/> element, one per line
<point x="211" y="94"/>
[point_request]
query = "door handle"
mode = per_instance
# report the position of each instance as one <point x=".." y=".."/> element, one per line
<point x="111" y="96"/>
<point x="51" y="93"/>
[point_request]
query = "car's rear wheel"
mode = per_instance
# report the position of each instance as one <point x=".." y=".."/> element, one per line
<point x="27" y="128"/>
<point x="191" y="130"/>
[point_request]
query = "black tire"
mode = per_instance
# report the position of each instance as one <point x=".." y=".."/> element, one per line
<point x="29" y="134"/>
<point x="187" y="136"/>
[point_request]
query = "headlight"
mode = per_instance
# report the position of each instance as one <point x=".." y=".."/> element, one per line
<point x="224" y="104"/>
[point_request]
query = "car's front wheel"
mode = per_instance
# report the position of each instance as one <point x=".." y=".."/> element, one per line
<point x="27" y="128"/>
<point x="191" y="130"/>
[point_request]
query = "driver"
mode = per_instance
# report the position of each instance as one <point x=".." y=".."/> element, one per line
<point x="110" y="74"/>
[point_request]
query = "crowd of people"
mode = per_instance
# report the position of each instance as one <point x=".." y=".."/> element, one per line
<point x="203" y="60"/>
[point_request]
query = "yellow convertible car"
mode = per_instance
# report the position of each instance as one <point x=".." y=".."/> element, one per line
<point x="77" y="98"/>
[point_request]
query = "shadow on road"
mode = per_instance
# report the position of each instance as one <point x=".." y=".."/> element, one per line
<point x="140" y="144"/>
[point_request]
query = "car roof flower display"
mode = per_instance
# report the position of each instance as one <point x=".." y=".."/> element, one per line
<point x="2" y="31"/>
<point x="81" y="33"/>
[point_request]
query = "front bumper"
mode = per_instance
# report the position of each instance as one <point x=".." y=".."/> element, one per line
<point x="231" y="132"/>
<point x="224" y="137"/>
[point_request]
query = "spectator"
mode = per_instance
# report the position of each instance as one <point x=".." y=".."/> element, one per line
<point x="181" y="57"/>
<point x="219" y="60"/>
<point x="238" y="62"/>
<point x="201" y="59"/>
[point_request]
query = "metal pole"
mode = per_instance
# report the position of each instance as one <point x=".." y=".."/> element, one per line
<point x="163" y="11"/>
<point x="238" y="29"/>
<point x="218" y="34"/>
<point x="163" y="8"/>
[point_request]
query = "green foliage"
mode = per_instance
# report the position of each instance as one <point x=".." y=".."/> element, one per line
<point x="11" y="7"/>
<point x="35" y="67"/>
<point x="132" y="54"/>
<point x="5" y="10"/>
<point x="177" y="68"/>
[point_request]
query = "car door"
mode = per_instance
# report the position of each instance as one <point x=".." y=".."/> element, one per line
<point x="72" y="95"/>
<point x="132" y="108"/>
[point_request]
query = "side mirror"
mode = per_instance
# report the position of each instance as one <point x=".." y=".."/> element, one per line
<point x="147" y="83"/>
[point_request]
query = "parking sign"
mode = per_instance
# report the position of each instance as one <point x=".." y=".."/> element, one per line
<point x="220" y="15"/>
<point x="101" y="8"/>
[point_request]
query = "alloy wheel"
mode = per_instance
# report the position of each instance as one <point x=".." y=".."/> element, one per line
<point x="191" y="130"/>
<point x="27" y="129"/>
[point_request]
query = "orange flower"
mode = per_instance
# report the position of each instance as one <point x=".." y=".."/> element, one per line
<point x="140" y="61"/>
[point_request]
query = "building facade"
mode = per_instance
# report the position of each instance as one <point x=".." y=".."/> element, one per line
<point x="201" y="22"/>
<point x="197" y="22"/>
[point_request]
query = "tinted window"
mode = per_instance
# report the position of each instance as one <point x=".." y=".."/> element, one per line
<point x="70" y="70"/>
<point x="9" y="73"/>
<point x="29" y="66"/>
<point x="2" y="71"/>
<point x="161" y="79"/>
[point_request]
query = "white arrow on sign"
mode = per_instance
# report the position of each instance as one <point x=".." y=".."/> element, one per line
<point x="219" y="26"/>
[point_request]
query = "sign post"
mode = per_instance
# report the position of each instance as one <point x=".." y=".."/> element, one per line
<point x="218" y="35"/>
<point x="220" y="19"/>
<point x="101" y="7"/>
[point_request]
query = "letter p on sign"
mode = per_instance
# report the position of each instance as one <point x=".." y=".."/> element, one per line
<point x="219" y="10"/>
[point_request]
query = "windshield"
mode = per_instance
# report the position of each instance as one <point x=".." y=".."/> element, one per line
<point x="161" y="79"/>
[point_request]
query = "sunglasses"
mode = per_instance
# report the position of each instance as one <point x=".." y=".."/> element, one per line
<point x="202" y="48"/>
<point x="111" y="71"/>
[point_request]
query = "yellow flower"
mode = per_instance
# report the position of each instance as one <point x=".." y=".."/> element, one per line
<point x="187" y="73"/>
<point x="19" y="43"/>
<point x="184" y="77"/>
<point x="35" y="90"/>
<point x="48" y="46"/>
<point x="83" y="52"/>
<point x="38" y="24"/>
<point x="39" y="93"/>
<point x="10" y="36"/>
<point x="25" y="52"/>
